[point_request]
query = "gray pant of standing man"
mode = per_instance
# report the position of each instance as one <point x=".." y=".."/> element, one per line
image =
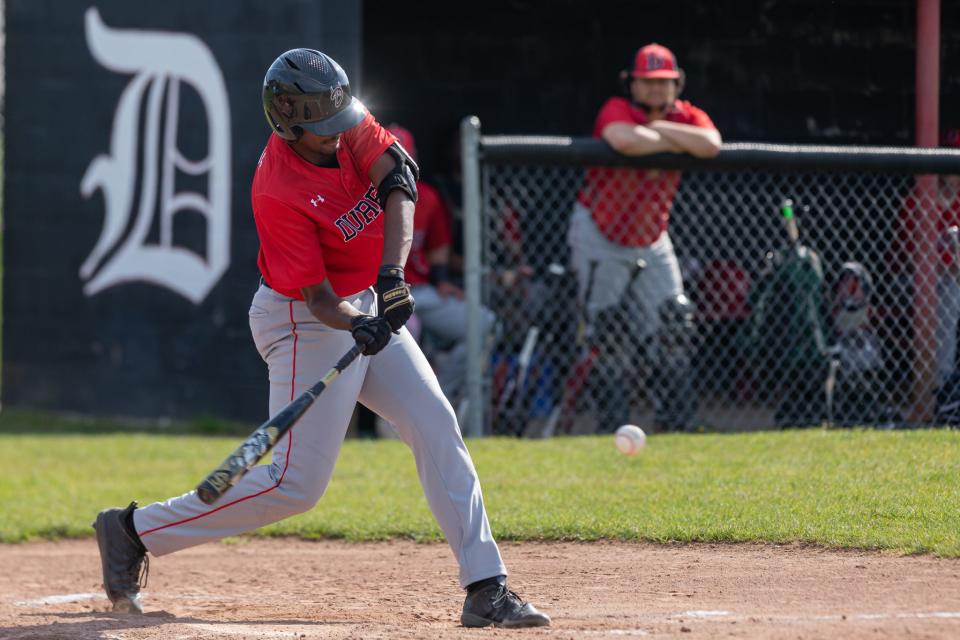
<point x="611" y="267"/>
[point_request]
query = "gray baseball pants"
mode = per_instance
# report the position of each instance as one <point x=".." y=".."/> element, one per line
<point x="948" y="314"/>
<point x="659" y="282"/>
<point x="396" y="383"/>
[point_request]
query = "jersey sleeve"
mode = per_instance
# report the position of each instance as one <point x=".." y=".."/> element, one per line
<point x="438" y="220"/>
<point x="699" y="118"/>
<point x="613" y="110"/>
<point x="367" y="141"/>
<point x="292" y="257"/>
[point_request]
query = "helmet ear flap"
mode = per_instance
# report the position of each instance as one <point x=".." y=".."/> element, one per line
<point x="282" y="126"/>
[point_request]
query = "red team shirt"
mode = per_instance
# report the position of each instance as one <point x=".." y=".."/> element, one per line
<point x="632" y="207"/>
<point x="431" y="230"/>
<point x="949" y="216"/>
<point x="318" y="223"/>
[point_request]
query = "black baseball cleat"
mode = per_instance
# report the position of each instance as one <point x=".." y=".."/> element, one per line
<point x="123" y="558"/>
<point x="496" y="605"/>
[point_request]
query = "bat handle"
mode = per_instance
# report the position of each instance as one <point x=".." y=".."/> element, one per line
<point x="790" y="221"/>
<point x="953" y="237"/>
<point x="953" y="243"/>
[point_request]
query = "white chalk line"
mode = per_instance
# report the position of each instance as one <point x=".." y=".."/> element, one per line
<point x="603" y="632"/>
<point x="696" y="614"/>
<point x="703" y="614"/>
<point x="80" y="597"/>
<point x="726" y="615"/>
<point x="248" y="631"/>
<point x="59" y="599"/>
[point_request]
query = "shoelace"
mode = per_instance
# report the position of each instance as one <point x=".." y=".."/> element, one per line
<point x="505" y="595"/>
<point x="144" y="571"/>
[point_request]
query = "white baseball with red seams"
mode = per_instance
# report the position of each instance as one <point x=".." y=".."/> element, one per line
<point x="630" y="439"/>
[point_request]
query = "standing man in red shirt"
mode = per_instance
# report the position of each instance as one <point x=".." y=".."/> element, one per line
<point x="947" y="260"/>
<point x="333" y="201"/>
<point x="621" y="216"/>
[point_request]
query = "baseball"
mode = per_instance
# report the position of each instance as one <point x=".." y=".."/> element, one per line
<point x="630" y="439"/>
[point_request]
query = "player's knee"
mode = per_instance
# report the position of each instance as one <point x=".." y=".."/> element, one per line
<point x="434" y="417"/>
<point x="302" y="492"/>
<point x="298" y="498"/>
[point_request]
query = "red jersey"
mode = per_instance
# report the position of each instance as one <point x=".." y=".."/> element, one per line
<point x="631" y="207"/>
<point x="318" y="223"/>
<point x="431" y="230"/>
<point x="949" y="216"/>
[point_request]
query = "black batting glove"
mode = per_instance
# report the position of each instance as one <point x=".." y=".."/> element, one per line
<point x="393" y="296"/>
<point x="372" y="333"/>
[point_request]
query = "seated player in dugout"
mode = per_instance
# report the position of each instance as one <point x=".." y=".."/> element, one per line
<point x="620" y="216"/>
<point x="333" y="202"/>
<point x="441" y="309"/>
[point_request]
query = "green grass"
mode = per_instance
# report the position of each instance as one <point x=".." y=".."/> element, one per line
<point x="896" y="490"/>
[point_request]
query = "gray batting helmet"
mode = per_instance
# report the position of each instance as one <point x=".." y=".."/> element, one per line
<point x="307" y="89"/>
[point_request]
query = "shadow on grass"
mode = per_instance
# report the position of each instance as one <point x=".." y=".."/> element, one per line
<point x="26" y="422"/>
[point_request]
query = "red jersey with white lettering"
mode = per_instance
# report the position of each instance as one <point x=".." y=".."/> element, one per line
<point x="431" y="230"/>
<point x="318" y="223"/>
<point x="632" y="207"/>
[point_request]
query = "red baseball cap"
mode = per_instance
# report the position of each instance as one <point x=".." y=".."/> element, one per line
<point x="655" y="61"/>
<point x="405" y="138"/>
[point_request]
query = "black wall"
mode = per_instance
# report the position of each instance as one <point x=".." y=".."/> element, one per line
<point x="765" y="70"/>
<point x="135" y="348"/>
<point x="770" y="70"/>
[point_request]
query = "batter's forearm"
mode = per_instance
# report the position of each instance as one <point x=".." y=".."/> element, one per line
<point x="337" y="317"/>
<point x="329" y="308"/>
<point x="397" y="229"/>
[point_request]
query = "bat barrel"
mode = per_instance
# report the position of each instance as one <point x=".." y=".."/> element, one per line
<point x="208" y="493"/>
<point x="261" y="441"/>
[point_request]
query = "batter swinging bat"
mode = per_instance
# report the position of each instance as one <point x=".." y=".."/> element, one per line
<point x="267" y="435"/>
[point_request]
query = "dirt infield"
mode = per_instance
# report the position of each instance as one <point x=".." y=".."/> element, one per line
<point x="302" y="590"/>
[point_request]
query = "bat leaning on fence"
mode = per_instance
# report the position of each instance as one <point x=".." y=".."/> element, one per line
<point x="263" y="439"/>
<point x="561" y="419"/>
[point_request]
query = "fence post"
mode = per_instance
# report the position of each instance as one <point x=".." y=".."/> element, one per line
<point x="926" y="259"/>
<point x="472" y="249"/>
<point x="925" y="268"/>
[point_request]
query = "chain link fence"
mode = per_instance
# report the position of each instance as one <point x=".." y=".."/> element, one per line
<point x="810" y="286"/>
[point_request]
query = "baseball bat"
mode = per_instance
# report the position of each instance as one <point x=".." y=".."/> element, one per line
<point x="786" y="209"/>
<point x="953" y="240"/>
<point x="262" y="440"/>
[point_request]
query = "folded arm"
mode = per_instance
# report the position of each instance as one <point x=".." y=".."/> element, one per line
<point x="637" y="139"/>
<point x="700" y="142"/>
